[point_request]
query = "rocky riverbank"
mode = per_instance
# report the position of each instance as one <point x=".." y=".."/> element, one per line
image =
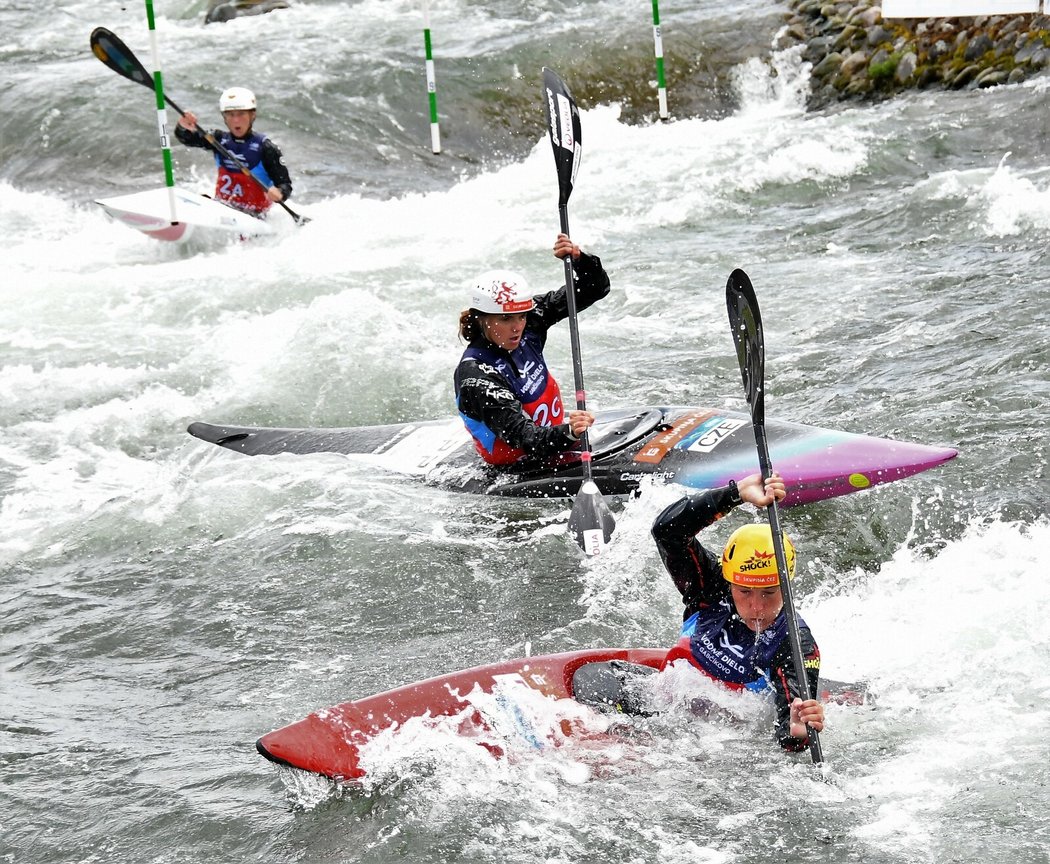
<point x="856" y="54"/>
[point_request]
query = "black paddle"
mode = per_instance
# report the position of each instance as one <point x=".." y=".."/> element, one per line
<point x="591" y="521"/>
<point x="745" y="321"/>
<point x="117" y="56"/>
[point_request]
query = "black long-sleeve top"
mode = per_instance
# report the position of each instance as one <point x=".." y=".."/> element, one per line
<point x="271" y="157"/>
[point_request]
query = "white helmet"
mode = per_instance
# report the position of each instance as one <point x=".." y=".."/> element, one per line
<point x="237" y="99"/>
<point x="500" y="292"/>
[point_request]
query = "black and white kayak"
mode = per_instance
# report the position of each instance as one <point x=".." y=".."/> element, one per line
<point x="195" y="215"/>
<point x="695" y="447"/>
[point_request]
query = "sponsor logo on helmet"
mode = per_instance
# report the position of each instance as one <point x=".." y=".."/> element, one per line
<point x="506" y="298"/>
<point x="759" y="561"/>
<point x="758" y="570"/>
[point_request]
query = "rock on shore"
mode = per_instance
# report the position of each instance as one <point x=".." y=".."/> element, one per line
<point x="856" y="54"/>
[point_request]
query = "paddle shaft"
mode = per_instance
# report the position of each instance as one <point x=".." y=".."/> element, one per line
<point x="574" y="342"/>
<point x="590" y="519"/>
<point x="794" y="636"/>
<point x="745" y="324"/>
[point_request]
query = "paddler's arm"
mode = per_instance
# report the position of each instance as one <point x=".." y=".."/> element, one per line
<point x="493" y="403"/>
<point x="187" y="132"/>
<point x="789" y="706"/>
<point x="592" y="284"/>
<point x="273" y="162"/>
<point x="695" y="571"/>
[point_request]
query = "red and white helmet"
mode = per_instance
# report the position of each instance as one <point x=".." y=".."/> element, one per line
<point x="500" y="292"/>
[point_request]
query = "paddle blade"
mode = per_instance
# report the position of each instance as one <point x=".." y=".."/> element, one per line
<point x="745" y="322"/>
<point x="117" y="56"/>
<point x="591" y="520"/>
<point x="563" y="125"/>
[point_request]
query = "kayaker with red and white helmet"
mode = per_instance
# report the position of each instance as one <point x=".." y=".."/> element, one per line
<point x="734" y="627"/>
<point x="253" y="150"/>
<point x="508" y="398"/>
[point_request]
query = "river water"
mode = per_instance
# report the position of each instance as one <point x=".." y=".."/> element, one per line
<point x="164" y="602"/>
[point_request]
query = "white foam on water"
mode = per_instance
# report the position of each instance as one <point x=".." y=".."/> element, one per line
<point x="953" y="644"/>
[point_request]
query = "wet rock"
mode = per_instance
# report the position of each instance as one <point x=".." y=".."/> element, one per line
<point x="846" y="36"/>
<point x="226" y="10"/>
<point x="906" y="68"/>
<point x="978" y="47"/>
<point x="936" y="51"/>
<point x="816" y="50"/>
<point x="829" y="66"/>
<point x="854" y="63"/>
<point x="991" y="77"/>
<point x="960" y="78"/>
<point x="857" y="54"/>
<point x="879" y="34"/>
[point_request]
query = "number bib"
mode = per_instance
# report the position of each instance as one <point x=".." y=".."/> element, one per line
<point x="531" y="382"/>
<point x="232" y="185"/>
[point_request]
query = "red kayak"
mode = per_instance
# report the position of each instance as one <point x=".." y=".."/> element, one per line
<point x="328" y="741"/>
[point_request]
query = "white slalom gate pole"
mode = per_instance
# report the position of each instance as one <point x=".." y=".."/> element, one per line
<point x="435" y="130"/>
<point x="658" y="48"/>
<point x="162" y="114"/>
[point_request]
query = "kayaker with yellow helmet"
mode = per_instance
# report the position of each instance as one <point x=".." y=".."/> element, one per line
<point x="734" y="627"/>
<point x="506" y="395"/>
<point x="252" y="150"/>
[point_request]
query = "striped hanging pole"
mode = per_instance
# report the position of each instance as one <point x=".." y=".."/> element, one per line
<point x="162" y="114"/>
<point x="435" y="131"/>
<point x="658" y="47"/>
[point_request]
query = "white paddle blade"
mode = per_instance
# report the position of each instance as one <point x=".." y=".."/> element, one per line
<point x="591" y="520"/>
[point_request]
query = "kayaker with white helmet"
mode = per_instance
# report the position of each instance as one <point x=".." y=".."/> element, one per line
<point x="508" y="398"/>
<point x="734" y="629"/>
<point x="253" y="150"/>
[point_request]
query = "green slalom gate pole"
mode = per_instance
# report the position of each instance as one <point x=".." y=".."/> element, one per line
<point x="658" y="48"/>
<point x="162" y="114"/>
<point x="435" y="131"/>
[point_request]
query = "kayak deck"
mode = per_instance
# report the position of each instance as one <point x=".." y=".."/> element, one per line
<point x="150" y="212"/>
<point x="694" y="447"/>
<point x="328" y="742"/>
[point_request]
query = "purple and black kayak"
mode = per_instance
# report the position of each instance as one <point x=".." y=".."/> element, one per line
<point x="698" y="448"/>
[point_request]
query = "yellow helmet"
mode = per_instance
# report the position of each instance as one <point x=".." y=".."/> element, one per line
<point x="749" y="560"/>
